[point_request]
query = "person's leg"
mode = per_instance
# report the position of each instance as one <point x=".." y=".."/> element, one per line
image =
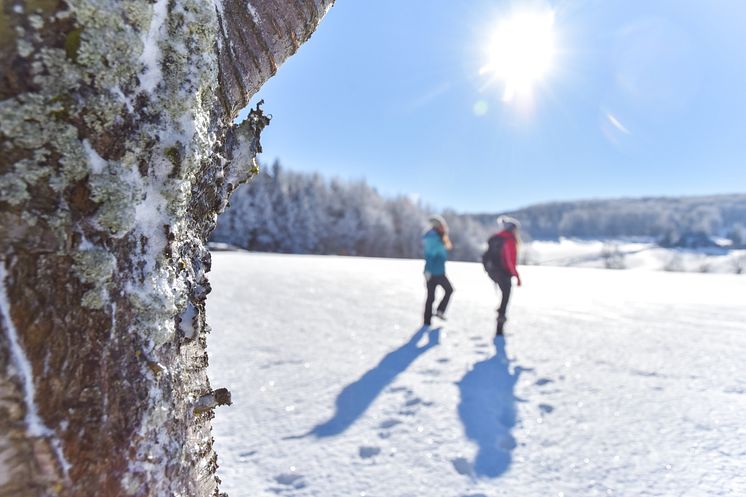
<point x="443" y="281"/>
<point x="503" y="281"/>
<point x="431" y="284"/>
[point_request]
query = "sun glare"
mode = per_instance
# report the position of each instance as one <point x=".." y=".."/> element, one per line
<point x="521" y="51"/>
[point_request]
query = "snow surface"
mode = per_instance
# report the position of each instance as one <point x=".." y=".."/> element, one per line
<point x="253" y="12"/>
<point x="96" y="162"/>
<point x="151" y="53"/>
<point x="35" y="425"/>
<point x="624" y="383"/>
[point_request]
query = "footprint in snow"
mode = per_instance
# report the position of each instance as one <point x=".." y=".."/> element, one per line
<point x="543" y="381"/>
<point x="368" y="452"/>
<point x="389" y="423"/>
<point x="547" y="408"/>
<point x="417" y="401"/>
<point x="291" y="480"/>
<point x="462" y="466"/>
<point x="639" y="372"/>
<point x="243" y="456"/>
<point x="443" y="360"/>
<point x="411" y="406"/>
<point x="385" y="426"/>
<point x="399" y="389"/>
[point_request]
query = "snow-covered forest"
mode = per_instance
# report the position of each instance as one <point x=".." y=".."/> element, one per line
<point x="673" y="221"/>
<point x="304" y="213"/>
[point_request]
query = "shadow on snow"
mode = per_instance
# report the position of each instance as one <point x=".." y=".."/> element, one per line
<point x="488" y="413"/>
<point x="356" y="397"/>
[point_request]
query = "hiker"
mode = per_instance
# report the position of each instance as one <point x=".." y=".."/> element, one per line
<point x="499" y="261"/>
<point x="436" y="245"/>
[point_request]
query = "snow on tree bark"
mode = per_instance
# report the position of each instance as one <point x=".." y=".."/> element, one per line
<point x="117" y="153"/>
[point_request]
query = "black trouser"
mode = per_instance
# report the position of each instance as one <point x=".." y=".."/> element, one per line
<point x="432" y="284"/>
<point x="504" y="282"/>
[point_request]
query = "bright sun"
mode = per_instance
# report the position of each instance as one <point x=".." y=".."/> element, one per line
<point x="521" y="51"/>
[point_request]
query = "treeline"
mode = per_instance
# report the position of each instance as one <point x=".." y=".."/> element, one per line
<point x="303" y="213"/>
<point x="674" y="221"/>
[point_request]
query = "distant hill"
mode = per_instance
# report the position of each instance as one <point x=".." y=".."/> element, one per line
<point x="670" y="220"/>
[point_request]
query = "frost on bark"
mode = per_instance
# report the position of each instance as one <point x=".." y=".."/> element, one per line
<point x="117" y="153"/>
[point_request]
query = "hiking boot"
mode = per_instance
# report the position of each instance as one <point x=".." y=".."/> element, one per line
<point x="500" y="325"/>
<point x="440" y="315"/>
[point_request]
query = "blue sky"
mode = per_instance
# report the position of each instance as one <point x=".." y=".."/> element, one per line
<point x="643" y="98"/>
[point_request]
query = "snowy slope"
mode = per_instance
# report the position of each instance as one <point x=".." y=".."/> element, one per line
<point x="625" y="254"/>
<point x="625" y="383"/>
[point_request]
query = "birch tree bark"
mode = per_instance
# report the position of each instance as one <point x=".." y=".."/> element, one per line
<point x="117" y="153"/>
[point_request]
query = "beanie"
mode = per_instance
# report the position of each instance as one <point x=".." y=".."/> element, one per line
<point x="509" y="223"/>
<point x="438" y="221"/>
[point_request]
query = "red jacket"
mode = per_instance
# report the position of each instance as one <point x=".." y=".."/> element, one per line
<point x="510" y="251"/>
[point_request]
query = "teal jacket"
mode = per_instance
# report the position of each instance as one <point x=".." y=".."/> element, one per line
<point x="435" y="253"/>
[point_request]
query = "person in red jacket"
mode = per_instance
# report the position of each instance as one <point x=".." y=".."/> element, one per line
<point x="507" y="239"/>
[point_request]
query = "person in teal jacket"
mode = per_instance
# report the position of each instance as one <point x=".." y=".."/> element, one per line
<point x="436" y="245"/>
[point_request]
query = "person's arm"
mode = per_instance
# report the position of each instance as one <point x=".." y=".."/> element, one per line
<point x="447" y="242"/>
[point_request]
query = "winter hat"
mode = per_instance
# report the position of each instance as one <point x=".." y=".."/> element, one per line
<point x="437" y="221"/>
<point x="509" y="223"/>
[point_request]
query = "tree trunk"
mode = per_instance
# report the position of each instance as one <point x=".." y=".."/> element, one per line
<point x="117" y="153"/>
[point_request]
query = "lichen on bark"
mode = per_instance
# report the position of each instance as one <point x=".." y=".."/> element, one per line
<point x="117" y="153"/>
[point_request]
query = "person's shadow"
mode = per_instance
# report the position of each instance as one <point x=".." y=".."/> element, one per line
<point x="356" y="397"/>
<point x="488" y="413"/>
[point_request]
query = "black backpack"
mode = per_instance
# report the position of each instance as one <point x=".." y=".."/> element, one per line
<point x="492" y="259"/>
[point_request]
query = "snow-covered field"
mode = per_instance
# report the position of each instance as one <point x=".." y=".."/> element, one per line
<point x="624" y="383"/>
<point x="626" y="254"/>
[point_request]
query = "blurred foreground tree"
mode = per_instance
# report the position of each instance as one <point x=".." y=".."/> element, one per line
<point x="117" y="153"/>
